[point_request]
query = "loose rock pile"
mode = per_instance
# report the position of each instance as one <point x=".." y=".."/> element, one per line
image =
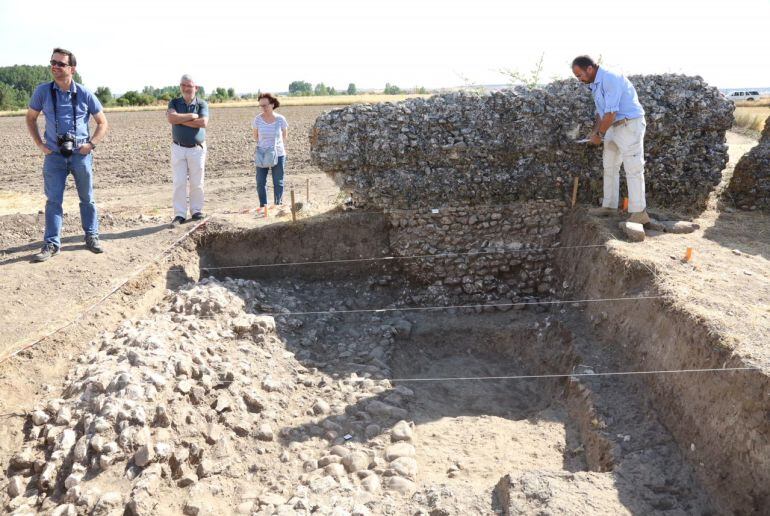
<point x="749" y="187"/>
<point x="202" y="409"/>
<point x="515" y="145"/>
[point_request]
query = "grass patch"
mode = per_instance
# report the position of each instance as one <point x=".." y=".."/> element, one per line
<point x="762" y="102"/>
<point x="752" y="118"/>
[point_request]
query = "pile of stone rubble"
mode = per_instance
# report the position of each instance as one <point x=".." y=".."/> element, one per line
<point x="515" y="145"/>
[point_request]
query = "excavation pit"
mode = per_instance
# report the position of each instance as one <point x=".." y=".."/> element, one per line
<point x="318" y="366"/>
<point x="352" y="315"/>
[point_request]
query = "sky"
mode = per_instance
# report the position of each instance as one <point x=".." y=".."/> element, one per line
<point x="256" y="45"/>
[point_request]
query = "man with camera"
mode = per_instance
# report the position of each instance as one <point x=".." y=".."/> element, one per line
<point x="68" y="149"/>
<point x="188" y="116"/>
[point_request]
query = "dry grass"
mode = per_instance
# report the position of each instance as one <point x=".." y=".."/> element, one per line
<point x="762" y="102"/>
<point x="335" y="100"/>
<point x="752" y="118"/>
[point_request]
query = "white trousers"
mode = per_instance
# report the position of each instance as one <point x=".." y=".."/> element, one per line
<point x="188" y="163"/>
<point x="624" y="144"/>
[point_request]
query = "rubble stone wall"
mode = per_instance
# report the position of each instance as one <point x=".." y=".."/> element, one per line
<point x="749" y="187"/>
<point x="518" y="145"/>
<point x="496" y="252"/>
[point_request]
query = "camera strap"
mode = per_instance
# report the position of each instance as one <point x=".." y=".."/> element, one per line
<point x="74" y="98"/>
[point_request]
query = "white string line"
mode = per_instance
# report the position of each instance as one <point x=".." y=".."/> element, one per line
<point x="563" y="375"/>
<point x="537" y="376"/>
<point x="426" y="308"/>
<point x="415" y="256"/>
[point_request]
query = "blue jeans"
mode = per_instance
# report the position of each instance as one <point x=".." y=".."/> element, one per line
<point x="277" y="182"/>
<point x="56" y="168"/>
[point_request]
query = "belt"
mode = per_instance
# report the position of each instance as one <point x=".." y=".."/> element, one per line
<point x="623" y="122"/>
<point x="188" y="146"/>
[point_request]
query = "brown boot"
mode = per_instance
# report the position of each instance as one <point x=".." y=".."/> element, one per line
<point x="640" y="217"/>
<point x="603" y="212"/>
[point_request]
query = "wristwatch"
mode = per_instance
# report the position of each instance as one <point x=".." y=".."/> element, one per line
<point x="93" y="145"/>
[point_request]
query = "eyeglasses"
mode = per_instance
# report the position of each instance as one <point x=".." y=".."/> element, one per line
<point x="58" y="64"/>
<point x="264" y="105"/>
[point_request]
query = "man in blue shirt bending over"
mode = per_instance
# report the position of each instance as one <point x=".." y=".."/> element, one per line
<point x="620" y="125"/>
<point x="68" y="149"/>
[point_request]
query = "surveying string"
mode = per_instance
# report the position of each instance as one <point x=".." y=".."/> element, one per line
<point x="428" y="308"/>
<point x="564" y="375"/>
<point x="415" y="256"/>
<point x="538" y="376"/>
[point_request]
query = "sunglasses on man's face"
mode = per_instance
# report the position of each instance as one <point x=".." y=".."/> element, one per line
<point x="59" y="64"/>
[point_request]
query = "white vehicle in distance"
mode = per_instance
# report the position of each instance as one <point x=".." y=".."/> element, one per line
<point x="742" y="95"/>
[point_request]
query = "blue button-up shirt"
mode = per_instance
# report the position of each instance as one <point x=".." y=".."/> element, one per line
<point x="613" y="93"/>
<point x="87" y="104"/>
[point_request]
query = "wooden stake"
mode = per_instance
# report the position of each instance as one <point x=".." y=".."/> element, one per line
<point x="265" y="210"/>
<point x="307" y="190"/>
<point x="625" y="203"/>
<point x="293" y="210"/>
<point x="688" y="254"/>
<point x="575" y="191"/>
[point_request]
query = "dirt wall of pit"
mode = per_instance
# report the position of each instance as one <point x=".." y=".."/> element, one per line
<point x="328" y="238"/>
<point x="488" y="253"/>
<point x="719" y="419"/>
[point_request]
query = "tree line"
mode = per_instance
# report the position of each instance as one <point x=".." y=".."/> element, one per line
<point x="306" y="89"/>
<point x="17" y="83"/>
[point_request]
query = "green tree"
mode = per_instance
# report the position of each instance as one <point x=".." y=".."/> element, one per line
<point x="17" y="83"/>
<point x="104" y="95"/>
<point x="11" y="98"/>
<point x="231" y="93"/>
<point x="391" y="89"/>
<point x="352" y="89"/>
<point x="320" y="89"/>
<point x="134" y="98"/>
<point x="300" y="88"/>
<point x="26" y="77"/>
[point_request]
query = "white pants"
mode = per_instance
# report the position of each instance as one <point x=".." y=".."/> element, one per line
<point x="188" y="162"/>
<point x="624" y="144"/>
